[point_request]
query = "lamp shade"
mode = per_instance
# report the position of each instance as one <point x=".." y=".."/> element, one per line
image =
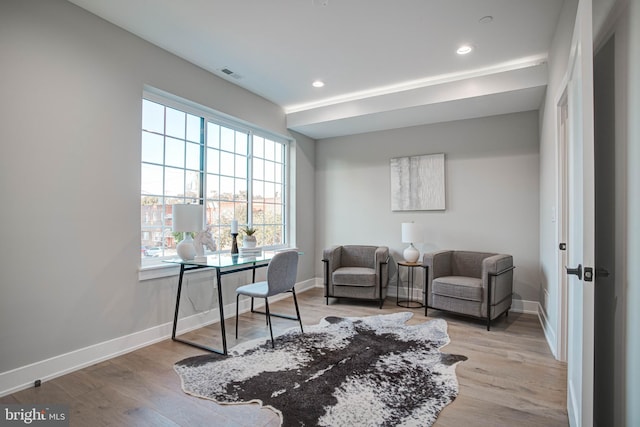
<point x="411" y="232"/>
<point x="187" y="217"/>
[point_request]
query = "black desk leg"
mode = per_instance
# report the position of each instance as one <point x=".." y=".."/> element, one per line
<point x="220" y="305"/>
<point x="175" y="317"/>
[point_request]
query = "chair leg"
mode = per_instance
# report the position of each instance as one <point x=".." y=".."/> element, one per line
<point x="252" y="309"/>
<point x="266" y="302"/>
<point x="295" y="302"/>
<point x="237" y="306"/>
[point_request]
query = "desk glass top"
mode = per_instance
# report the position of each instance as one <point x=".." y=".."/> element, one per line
<point x="227" y="260"/>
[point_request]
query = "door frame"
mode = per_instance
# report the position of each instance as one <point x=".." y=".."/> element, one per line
<point x="562" y="218"/>
<point x="580" y="364"/>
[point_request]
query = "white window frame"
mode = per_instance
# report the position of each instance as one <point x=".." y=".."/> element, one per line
<point x="161" y="269"/>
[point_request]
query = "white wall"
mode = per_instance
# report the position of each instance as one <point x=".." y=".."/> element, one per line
<point x="70" y="117"/>
<point x="492" y="191"/>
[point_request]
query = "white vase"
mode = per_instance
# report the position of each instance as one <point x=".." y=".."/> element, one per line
<point x="411" y="254"/>
<point x="249" y="242"/>
<point x="186" y="250"/>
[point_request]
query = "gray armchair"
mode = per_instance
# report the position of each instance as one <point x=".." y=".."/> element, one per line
<point x="476" y="284"/>
<point x="356" y="271"/>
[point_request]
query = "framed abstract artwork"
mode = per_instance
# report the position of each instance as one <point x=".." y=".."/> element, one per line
<point x="417" y="183"/>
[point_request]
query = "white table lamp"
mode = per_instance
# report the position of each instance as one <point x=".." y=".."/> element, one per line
<point x="411" y="233"/>
<point x="187" y="218"/>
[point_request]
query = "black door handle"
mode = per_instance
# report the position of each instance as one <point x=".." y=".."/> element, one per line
<point x="577" y="271"/>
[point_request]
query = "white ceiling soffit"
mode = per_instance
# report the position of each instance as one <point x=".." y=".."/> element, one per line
<point x="385" y="64"/>
<point x="517" y="90"/>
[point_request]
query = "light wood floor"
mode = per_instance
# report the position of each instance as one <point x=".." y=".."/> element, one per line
<point x="510" y="378"/>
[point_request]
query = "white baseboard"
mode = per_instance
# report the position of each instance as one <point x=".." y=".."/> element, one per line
<point x="549" y="332"/>
<point x="524" y="306"/>
<point x="517" y="305"/>
<point x="24" y="377"/>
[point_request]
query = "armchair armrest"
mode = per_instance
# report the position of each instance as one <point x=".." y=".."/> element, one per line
<point x="332" y="256"/>
<point x="381" y="265"/>
<point x="381" y="255"/>
<point x="436" y="264"/>
<point x="497" y="264"/>
<point x="331" y="259"/>
<point x="497" y="278"/>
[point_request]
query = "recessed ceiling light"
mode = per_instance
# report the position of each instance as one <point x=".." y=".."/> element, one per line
<point x="486" y="19"/>
<point x="318" y="83"/>
<point x="464" y="49"/>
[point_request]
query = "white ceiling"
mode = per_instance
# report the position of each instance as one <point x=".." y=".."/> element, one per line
<point x="386" y="63"/>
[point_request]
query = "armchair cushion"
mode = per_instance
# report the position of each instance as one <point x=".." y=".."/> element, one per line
<point x="467" y="288"/>
<point x="354" y="276"/>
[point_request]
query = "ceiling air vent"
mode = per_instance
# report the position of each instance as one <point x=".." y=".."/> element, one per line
<point x="230" y="73"/>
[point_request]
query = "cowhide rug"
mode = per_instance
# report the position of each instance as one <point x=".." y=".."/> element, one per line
<point x="365" y="371"/>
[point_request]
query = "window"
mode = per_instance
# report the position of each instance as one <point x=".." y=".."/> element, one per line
<point x="193" y="156"/>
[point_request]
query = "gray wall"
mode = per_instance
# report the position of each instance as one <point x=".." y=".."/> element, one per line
<point x="70" y="118"/>
<point x="69" y="181"/>
<point x="304" y="191"/>
<point x="492" y="173"/>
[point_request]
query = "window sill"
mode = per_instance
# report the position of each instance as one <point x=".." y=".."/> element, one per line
<point x="157" y="271"/>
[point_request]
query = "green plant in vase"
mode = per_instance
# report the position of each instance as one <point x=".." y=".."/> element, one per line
<point x="249" y="240"/>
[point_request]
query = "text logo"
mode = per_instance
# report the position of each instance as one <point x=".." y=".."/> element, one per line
<point x="34" y="415"/>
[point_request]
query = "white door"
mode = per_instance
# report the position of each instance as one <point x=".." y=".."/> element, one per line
<point x="580" y="242"/>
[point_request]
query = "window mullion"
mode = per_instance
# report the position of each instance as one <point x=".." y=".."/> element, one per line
<point x="250" y="180"/>
<point x="163" y="223"/>
<point x="203" y="162"/>
<point x="285" y="192"/>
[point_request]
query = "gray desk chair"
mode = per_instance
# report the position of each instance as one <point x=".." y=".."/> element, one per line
<point x="281" y="277"/>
